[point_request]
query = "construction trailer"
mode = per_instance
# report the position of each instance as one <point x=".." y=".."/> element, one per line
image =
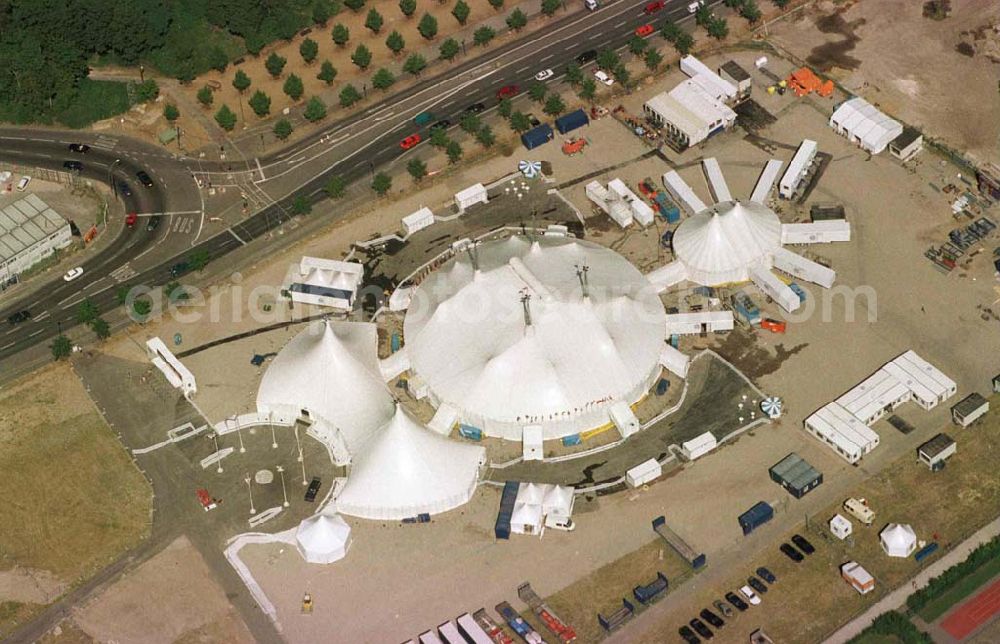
<point x="698" y="446"/>
<point x="797" y="168"/>
<point x="682" y="192"/>
<point x="936" y="451"/>
<point x="765" y="181"/>
<point x="641" y="211"/>
<point x="417" y="220"/>
<point x="805" y="269"/>
<point x="731" y="72"/>
<point x="688" y="113"/>
<point x="610" y="203"/>
<point x="816" y="232"/>
<point x="969" y="409"/>
<point x="841" y="527"/>
<point x="774" y="288"/>
<point x="711" y="82"/>
<point x="795" y="475"/>
<point x="643" y="473"/>
<point x="859" y="578"/>
<point x="841" y="431"/>
<point x="907" y="144"/>
<point x="698" y="323"/>
<point x="674" y="361"/>
<point x="716" y="180"/>
<point x="667" y="275"/>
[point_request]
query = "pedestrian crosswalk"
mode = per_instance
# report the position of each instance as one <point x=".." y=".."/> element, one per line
<point x="104" y="142"/>
<point x="123" y="273"/>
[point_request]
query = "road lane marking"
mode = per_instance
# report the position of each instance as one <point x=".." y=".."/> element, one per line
<point x="233" y="233"/>
<point x="260" y="169"/>
<point x="33" y="334"/>
<point x="41" y="317"/>
<point x="7" y="346"/>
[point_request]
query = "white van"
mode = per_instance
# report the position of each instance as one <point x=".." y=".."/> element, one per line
<point x="592" y="5"/>
<point x="695" y="5"/>
<point x="23" y="183"/>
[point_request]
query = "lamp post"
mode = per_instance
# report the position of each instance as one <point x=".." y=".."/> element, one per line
<point x="281" y="473"/>
<point x="246" y="479"/>
<point x="111" y="177"/>
<point x="274" y="440"/>
<point x="215" y="439"/>
<point x="298" y="445"/>
<point x="302" y="460"/>
<point x="236" y="418"/>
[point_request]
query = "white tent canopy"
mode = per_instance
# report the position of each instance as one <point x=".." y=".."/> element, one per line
<point x="468" y="338"/>
<point x="407" y="469"/>
<point x="323" y="538"/>
<point x="865" y="125"/>
<point x="720" y="244"/>
<point x="898" y="540"/>
<point x="330" y="374"/>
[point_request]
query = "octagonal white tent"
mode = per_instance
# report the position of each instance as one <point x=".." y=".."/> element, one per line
<point x="513" y="341"/>
<point x="407" y="469"/>
<point x="720" y="244"/>
<point x="898" y="540"/>
<point x="323" y="538"/>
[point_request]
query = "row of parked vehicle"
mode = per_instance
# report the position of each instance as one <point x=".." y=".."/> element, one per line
<point x="748" y="595"/>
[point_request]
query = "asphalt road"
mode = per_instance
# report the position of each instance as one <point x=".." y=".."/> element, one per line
<point x="351" y="148"/>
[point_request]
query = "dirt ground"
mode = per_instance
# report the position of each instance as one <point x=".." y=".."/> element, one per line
<point x="171" y="598"/>
<point x="60" y="529"/>
<point x="887" y="52"/>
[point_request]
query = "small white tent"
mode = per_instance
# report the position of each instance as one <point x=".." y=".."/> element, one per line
<point x="898" y="540"/>
<point x="323" y="538"/>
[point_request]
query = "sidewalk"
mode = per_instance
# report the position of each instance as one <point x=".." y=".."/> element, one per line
<point x="897" y="598"/>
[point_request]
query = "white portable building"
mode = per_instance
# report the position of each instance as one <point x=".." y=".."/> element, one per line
<point x="969" y="409"/>
<point x="674" y="361"/>
<point x="780" y="292"/>
<point x="473" y="632"/>
<point x="816" y="232"/>
<point x="898" y="540"/>
<point x="641" y="211"/>
<point x="710" y="81"/>
<point x="444" y="419"/>
<point x="450" y="634"/>
<point x="323" y="538"/>
<point x="470" y="196"/>
<point x="400" y="298"/>
<point x="325" y="282"/>
<point x="430" y="637"/>
<point x="610" y="202"/>
<point x="698" y="446"/>
<point x="802" y="268"/>
<point x="859" y="578"/>
<point x="864" y="125"/>
<point x="716" y="180"/>
<point x="700" y="322"/>
<point x="842" y="431"/>
<point x="624" y="418"/>
<point x="531" y="443"/>
<point x="667" y="275"/>
<point x="394" y="364"/>
<point x="417" y="221"/>
<point x="797" y="168"/>
<point x="689" y="113"/>
<point x="927" y="383"/>
<point x="875" y="396"/>
<point x="176" y="373"/>
<point x="682" y="192"/>
<point x="841" y="527"/>
<point x="643" y="473"/>
<point x="766" y="181"/>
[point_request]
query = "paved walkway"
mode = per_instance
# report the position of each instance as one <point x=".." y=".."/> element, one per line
<point x="897" y="598"/>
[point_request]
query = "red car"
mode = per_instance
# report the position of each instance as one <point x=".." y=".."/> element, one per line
<point x="508" y="91"/>
<point x="130" y="219"/>
<point x="653" y="7"/>
<point x="409" y="141"/>
<point x="644" y="31"/>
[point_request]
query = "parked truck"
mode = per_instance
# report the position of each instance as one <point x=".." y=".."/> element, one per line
<point x="559" y="628"/>
<point x="492" y="629"/>
<point x="517" y="623"/>
<point x="502" y="527"/>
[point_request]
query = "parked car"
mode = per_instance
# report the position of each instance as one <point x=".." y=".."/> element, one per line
<point x="766" y="575"/>
<point x="545" y="74"/>
<point x="534" y="121"/>
<point x="23" y="183"/>
<point x="477" y="108"/>
<point x="644" y="31"/>
<point x="688" y="635"/>
<point x="409" y="141"/>
<point x="750" y="595"/>
<point x="73" y="273"/>
<point x="723" y="608"/>
<point x="757" y="585"/>
<point x="131" y="219"/>
<point x="144" y="178"/>
<point x="602" y="77"/>
<point x="73" y="166"/>
<point x="653" y="7"/>
<point x="736" y="601"/>
<point x="711" y="618"/>
<point x="588" y="56"/>
<point x="700" y="628"/>
<point x="79" y="148"/>
<point x="443" y="124"/>
<point x="20" y="316"/>
<point x="508" y="91"/>
<point x="313" y="489"/>
<point x="123" y="188"/>
<point x="803" y="544"/>
<point x="791" y="553"/>
<point x="153" y="223"/>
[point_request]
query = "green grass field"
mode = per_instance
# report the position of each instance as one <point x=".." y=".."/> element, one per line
<point x="965" y="587"/>
<point x="95" y="100"/>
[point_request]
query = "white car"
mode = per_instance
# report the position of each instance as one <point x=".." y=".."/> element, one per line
<point x="545" y="74"/>
<point x="73" y="274"/>
<point x="603" y="78"/>
<point x="750" y="595"/>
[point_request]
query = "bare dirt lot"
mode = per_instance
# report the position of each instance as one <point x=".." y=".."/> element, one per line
<point x="887" y="52"/>
<point x="73" y="499"/>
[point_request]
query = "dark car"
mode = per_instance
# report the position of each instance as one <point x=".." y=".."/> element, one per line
<point x="443" y="124"/>
<point x="766" y="575"/>
<point x="700" y="628"/>
<point x="74" y="166"/>
<point x="588" y="56"/>
<point x="123" y="188"/>
<point x="79" y="148"/>
<point x="803" y="544"/>
<point x="688" y="635"/>
<point x="791" y="553"/>
<point x="736" y="601"/>
<point x="534" y="121"/>
<point x="313" y="489"/>
<point x="179" y="269"/>
<point x="144" y="178"/>
<point x="475" y="108"/>
<point x="20" y="316"/>
<point x="757" y="585"/>
<point x="711" y="618"/>
<point x="153" y="224"/>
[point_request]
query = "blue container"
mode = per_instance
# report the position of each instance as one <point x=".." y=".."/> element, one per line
<point x="470" y="432"/>
<point x="502" y="527"/>
<point x="662" y="386"/>
<point x="572" y="439"/>
<point x="675" y="340"/>
<point x="925" y="552"/>
<point x="537" y="136"/>
<point x="571" y="121"/>
<point x="798" y="291"/>
<point x="394" y="342"/>
<point x="755" y="517"/>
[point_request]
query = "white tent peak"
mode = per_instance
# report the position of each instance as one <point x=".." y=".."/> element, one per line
<point x="898" y="540"/>
<point x="323" y="537"/>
